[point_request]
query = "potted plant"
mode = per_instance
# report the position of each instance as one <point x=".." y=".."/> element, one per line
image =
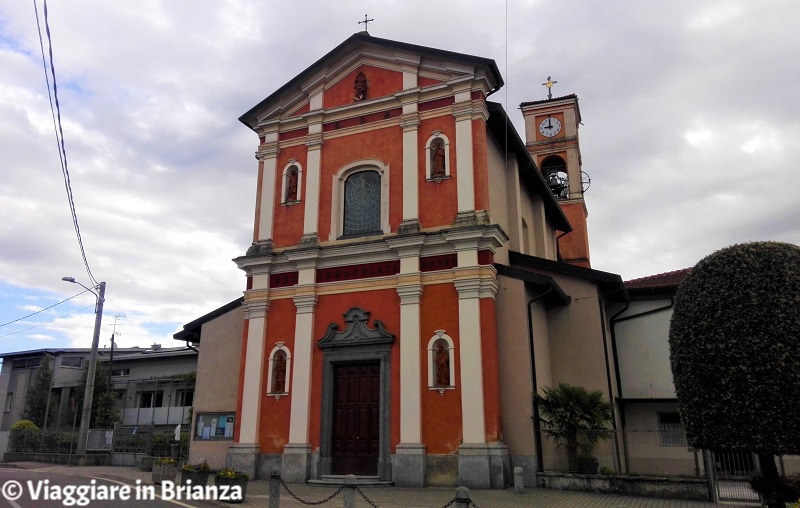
<point x="165" y="469"/>
<point x="197" y="474"/>
<point x="232" y="478"/>
<point x="576" y="419"/>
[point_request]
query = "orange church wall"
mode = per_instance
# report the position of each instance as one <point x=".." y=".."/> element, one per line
<point x="303" y="109"/>
<point x="575" y="245"/>
<point x="385" y="145"/>
<point x="441" y="413"/>
<point x="237" y="428"/>
<point x="380" y="82"/>
<point x="273" y="431"/>
<point x="480" y="162"/>
<point x="438" y="204"/>
<point x="491" y="371"/>
<point x="383" y="305"/>
<point x="422" y="81"/>
<point x="288" y="220"/>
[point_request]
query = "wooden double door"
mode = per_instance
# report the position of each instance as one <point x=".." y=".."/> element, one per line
<point x="355" y="439"/>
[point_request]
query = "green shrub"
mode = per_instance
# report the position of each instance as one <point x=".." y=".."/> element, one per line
<point x="161" y="444"/>
<point x="24" y="425"/>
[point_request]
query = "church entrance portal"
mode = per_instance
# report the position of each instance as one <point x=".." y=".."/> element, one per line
<point x="355" y="439"/>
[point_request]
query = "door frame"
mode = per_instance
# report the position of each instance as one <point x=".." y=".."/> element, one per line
<point x="357" y="354"/>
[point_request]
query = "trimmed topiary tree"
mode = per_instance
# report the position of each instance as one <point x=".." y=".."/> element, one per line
<point x="734" y="341"/>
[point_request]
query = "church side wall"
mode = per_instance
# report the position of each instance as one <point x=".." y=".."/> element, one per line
<point x="216" y="391"/>
<point x="643" y="349"/>
<point x="500" y="196"/>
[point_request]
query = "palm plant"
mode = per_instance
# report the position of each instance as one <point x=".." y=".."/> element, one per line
<point x="575" y="419"/>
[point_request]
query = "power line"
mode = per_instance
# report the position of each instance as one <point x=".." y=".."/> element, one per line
<point x="45" y="322"/>
<point x="59" y="131"/>
<point x="42" y="310"/>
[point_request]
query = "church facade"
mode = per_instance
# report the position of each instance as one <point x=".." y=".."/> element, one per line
<point x="417" y="272"/>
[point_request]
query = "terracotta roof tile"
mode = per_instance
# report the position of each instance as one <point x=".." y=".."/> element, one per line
<point x="668" y="280"/>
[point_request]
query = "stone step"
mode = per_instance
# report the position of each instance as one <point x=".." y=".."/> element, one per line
<point x="361" y="480"/>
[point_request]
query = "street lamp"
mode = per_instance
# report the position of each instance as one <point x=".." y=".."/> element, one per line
<point x="88" y="394"/>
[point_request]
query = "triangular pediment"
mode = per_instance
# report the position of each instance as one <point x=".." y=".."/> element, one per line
<point x="330" y="82"/>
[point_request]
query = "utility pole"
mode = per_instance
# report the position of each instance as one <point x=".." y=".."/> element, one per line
<point x="88" y="394"/>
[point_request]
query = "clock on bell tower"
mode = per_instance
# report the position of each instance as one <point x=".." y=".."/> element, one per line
<point x="551" y="132"/>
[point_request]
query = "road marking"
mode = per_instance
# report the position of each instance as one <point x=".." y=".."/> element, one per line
<point x="123" y="483"/>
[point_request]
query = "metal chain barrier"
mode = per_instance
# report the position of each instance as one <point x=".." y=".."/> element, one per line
<point x="311" y="503"/>
<point x="364" y="496"/>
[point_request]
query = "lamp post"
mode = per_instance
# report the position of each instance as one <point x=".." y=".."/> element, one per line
<point x="88" y="394"/>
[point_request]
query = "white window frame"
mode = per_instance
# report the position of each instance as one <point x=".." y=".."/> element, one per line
<point x="285" y="181"/>
<point x="451" y="349"/>
<point x="9" y="402"/>
<point x="428" y="167"/>
<point x="279" y="346"/>
<point x="337" y="197"/>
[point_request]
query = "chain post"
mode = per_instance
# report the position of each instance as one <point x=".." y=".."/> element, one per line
<point x="462" y="499"/>
<point x="274" y="488"/>
<point x="349" y="500"/>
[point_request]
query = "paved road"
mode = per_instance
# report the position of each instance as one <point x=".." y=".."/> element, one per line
<point x="41" y="488"/>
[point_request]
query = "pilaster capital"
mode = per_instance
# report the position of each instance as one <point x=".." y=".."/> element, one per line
<point x="406" y="246"/>
<point x="305" y="259"/>
<point x="306" y="303"/>
<point x="489" y="288"/>
<point x="410" y="294"/>
<point x="462" y="111"/>
<point x="255" y="309"/>
<point x="314" y="141"/>
<point x="468" y="288"/>
<point x="409" y="122"/>
<point x="268" y="151"/>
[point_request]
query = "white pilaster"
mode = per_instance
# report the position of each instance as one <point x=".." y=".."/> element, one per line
<point x="314" y="144"/>
<point x="410" y="369"/>
<point x="267" y="154"/>
<point x="256" y="313"/>
<point x="301" y="382"/>
<point x="465" y="176"/>
<point x="469" y="325"/>
<point x="410" y="124"/>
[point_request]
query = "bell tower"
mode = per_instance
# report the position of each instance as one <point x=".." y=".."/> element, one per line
<point x="551" y="135"/>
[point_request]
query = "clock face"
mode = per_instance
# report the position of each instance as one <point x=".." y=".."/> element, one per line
<point x="550" y="127"/>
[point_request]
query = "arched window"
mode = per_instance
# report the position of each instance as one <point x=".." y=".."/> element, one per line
<point x="362" y="204"/>
<point x="437" y="157"/>
<point x="554" y="170"/>
<point x="360" y="200"/>
<point x="279" y="369"/>
<point x="292" y="177"/>
<point x="441" y="362"/>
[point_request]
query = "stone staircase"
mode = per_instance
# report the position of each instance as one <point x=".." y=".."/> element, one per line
<point x="361" y="481"/>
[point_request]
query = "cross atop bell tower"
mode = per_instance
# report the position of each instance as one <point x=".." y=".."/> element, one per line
<point x="551" y="133"/>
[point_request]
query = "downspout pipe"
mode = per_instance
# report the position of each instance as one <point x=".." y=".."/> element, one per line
<point x="537" y="437"/>
<point x="608" y="372"/>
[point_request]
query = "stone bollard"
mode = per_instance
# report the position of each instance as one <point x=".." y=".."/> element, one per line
<point x="175" y="451"/>
<point x="519" y="482"/>
<point x="349" y="491"/>
<point x="462" y="498"/>
<point x="274" y="488"/>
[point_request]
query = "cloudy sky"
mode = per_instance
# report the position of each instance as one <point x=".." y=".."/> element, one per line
<point x="691" y="135"/>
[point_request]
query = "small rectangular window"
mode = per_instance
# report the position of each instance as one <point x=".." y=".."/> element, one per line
<point x="184" y="398"/>
<point x="151" y="399"/>
<point x="671" y="429"/>
<point x="9" y="401"/>
<point x="72" y="361"/>
<point x="120" y="372"/>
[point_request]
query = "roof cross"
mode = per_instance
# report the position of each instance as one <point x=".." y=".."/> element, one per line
<point x="549" y="84"/>
<point x="366" y="22"/>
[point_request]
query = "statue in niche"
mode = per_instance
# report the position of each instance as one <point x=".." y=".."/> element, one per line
<point x="437" y="154"/>
<point x="442" y="365"/>
<point x="360" y="87"/>
<point x="279" y="373"/>
<point x="291" y="185"/>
